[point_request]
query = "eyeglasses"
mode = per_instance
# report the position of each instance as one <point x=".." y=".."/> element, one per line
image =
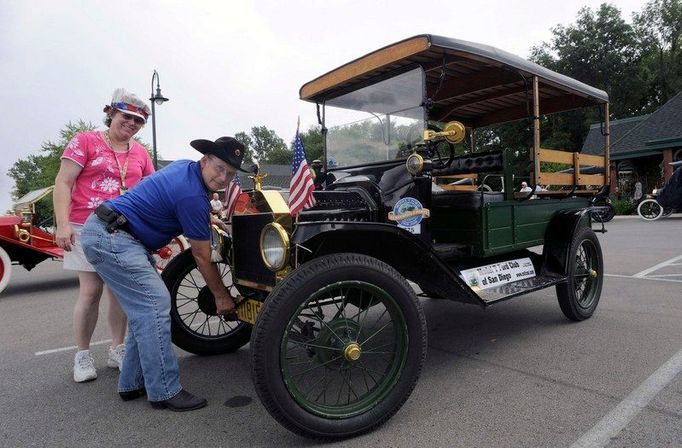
<point x="136" y="119"/>
<point x="220" y="168"/>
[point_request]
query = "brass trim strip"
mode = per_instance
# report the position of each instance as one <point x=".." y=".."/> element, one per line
<point x="254" y="285"/>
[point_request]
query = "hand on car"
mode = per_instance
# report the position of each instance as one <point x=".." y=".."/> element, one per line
<point x="224" y="305"/>
<point x="217" y="221"/>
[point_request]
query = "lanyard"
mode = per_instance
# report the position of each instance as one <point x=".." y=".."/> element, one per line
<point x="121" y="171"/>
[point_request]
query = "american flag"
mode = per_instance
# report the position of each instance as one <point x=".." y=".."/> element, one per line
<point x="302" y="186"/>
<point x="232" y="193"/>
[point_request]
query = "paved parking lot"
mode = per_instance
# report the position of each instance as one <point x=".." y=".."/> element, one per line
<point x="516" y="374"/>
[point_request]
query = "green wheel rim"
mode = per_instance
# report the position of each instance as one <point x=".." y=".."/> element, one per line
<point x="587" y="274"/>
<point x="344" y="349"/>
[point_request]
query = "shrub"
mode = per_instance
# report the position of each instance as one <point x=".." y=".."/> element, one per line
<point x="624" y="206"/>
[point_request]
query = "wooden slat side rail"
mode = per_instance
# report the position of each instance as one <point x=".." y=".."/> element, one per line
<point x="459" y="187"/>
<point x="555" y="179"/>
<point x="458" y="176"/>
<point x="552" y="155"/>
<point x="591" y="179"/>
<point x="587" y="159"/>
<point x="553" y="193"/>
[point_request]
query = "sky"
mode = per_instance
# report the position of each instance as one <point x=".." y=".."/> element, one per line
<point x="226" y="66"/>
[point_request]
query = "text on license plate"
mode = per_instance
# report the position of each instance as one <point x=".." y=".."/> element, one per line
<point x="248" y="310"/>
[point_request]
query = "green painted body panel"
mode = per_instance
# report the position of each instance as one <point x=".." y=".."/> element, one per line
<point x="499" y="227"/>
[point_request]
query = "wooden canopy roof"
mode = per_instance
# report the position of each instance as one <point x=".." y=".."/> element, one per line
<point x="482" y="84"/>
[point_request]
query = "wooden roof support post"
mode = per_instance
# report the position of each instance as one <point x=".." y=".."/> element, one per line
<point x="536" y="129"/>
<point x="607" y="146"/>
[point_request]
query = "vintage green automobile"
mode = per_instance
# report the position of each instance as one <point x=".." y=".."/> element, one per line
<point x="337" y="332"/>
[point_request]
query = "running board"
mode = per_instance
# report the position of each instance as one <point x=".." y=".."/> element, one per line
<point x="513" y="289"/>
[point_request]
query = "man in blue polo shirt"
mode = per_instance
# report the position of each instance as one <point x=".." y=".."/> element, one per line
<point x="118" y="240"/>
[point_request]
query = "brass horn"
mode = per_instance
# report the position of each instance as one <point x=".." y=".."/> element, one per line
<point x="22" y="235"/>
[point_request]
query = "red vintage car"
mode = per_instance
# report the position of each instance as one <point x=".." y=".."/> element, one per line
<point x="23" y="241"/>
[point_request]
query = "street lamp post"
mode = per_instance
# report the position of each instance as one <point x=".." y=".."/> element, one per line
<point x="159" y="99"/>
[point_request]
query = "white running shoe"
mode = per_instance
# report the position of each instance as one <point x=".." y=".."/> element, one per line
<point x="116" y="356"/>
<point x="84" y="367"/>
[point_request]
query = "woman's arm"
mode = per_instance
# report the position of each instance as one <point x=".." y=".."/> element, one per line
<point x="61" y="196"/>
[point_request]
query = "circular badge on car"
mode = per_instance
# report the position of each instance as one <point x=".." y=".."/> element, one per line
<point x="408" y="212"/>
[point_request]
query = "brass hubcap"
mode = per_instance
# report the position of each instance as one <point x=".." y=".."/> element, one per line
<point x="352" y="352"/>
<point x="593" y="273"/>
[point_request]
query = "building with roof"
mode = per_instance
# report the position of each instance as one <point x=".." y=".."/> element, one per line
<point x="641" y="147"/>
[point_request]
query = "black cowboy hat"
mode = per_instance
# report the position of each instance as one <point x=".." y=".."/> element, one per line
<point x="227" y="149"/>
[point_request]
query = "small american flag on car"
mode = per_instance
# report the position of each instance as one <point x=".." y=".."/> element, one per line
<point x="232" y="192"/>
<point x="302" y="186"/>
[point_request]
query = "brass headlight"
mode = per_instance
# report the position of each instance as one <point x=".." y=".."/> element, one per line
<point x="414" y="164"/>
<point x="274" y="246"/>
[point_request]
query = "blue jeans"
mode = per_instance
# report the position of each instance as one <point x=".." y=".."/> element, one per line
<point x="128" y="268"/>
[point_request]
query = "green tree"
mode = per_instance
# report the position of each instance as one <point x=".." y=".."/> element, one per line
<point x="312" y="144"/>
<point x="263" y="145"/>
<point x="245" y="139"/>
<point x="659" y="27"/>
<point x="600" y="49"/>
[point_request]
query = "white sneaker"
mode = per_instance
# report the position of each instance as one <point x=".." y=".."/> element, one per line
<point x="84" y="367"/>
<point x="116" y="356"/>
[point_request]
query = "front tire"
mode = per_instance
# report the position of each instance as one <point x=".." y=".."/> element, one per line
<point x="338" y="346"/>
<point x="579" y="296"/>
<point x="195" y="327"/>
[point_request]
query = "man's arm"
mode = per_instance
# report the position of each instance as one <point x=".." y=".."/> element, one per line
<point x="201" y="250"/>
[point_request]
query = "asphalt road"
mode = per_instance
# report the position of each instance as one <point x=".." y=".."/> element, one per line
<point x="515" y="375"/>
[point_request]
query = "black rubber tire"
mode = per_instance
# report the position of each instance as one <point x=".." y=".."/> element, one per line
<point x="184" y="336"/>
<point x="282" y="305"/>
<point x="576" y="308"/>
<point x="649" y="210"/>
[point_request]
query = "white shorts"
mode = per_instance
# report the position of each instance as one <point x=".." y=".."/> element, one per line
<point x="75" y="260"/>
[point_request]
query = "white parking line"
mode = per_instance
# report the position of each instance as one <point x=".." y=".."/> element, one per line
<point x="106" y="341"/>
<point x="657" y="267"/>
<point x="614" y="422"/>
<point x="71" y="347"/>
<point x="656" y="279"/>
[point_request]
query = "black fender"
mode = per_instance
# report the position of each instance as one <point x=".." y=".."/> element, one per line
<point x="558" y="237"/>
<point x="397" y="247"/>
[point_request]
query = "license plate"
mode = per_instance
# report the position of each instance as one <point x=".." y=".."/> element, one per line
<point x="248" y="310"/>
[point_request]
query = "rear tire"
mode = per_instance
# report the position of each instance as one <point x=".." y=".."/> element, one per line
<point x="579" y="296"/>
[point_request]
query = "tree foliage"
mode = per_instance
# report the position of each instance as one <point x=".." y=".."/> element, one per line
<point x="263" y="145"/>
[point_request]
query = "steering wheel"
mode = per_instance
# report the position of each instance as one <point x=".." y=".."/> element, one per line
<point x="434" y="146"/>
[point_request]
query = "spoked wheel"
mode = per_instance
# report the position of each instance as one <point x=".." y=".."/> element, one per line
<point x="5" y="269"/>
<point x="649" y="209"/>
<point x="338" y="346"/>
<point x="195" y="326"/>
<point x="579" y="296"/>
<point x="164" y="255"/>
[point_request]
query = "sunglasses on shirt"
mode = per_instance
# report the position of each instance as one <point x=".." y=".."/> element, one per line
<point x="135" y="118"/>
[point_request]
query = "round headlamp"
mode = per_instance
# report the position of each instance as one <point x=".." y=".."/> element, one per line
<point x="414" y="164"/>
<point x="274" y="246"/>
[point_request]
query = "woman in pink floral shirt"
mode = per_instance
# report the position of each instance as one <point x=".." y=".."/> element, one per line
<point x="97" y="166"/>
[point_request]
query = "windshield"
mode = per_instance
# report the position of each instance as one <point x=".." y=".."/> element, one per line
<point x="376" y="123"/>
